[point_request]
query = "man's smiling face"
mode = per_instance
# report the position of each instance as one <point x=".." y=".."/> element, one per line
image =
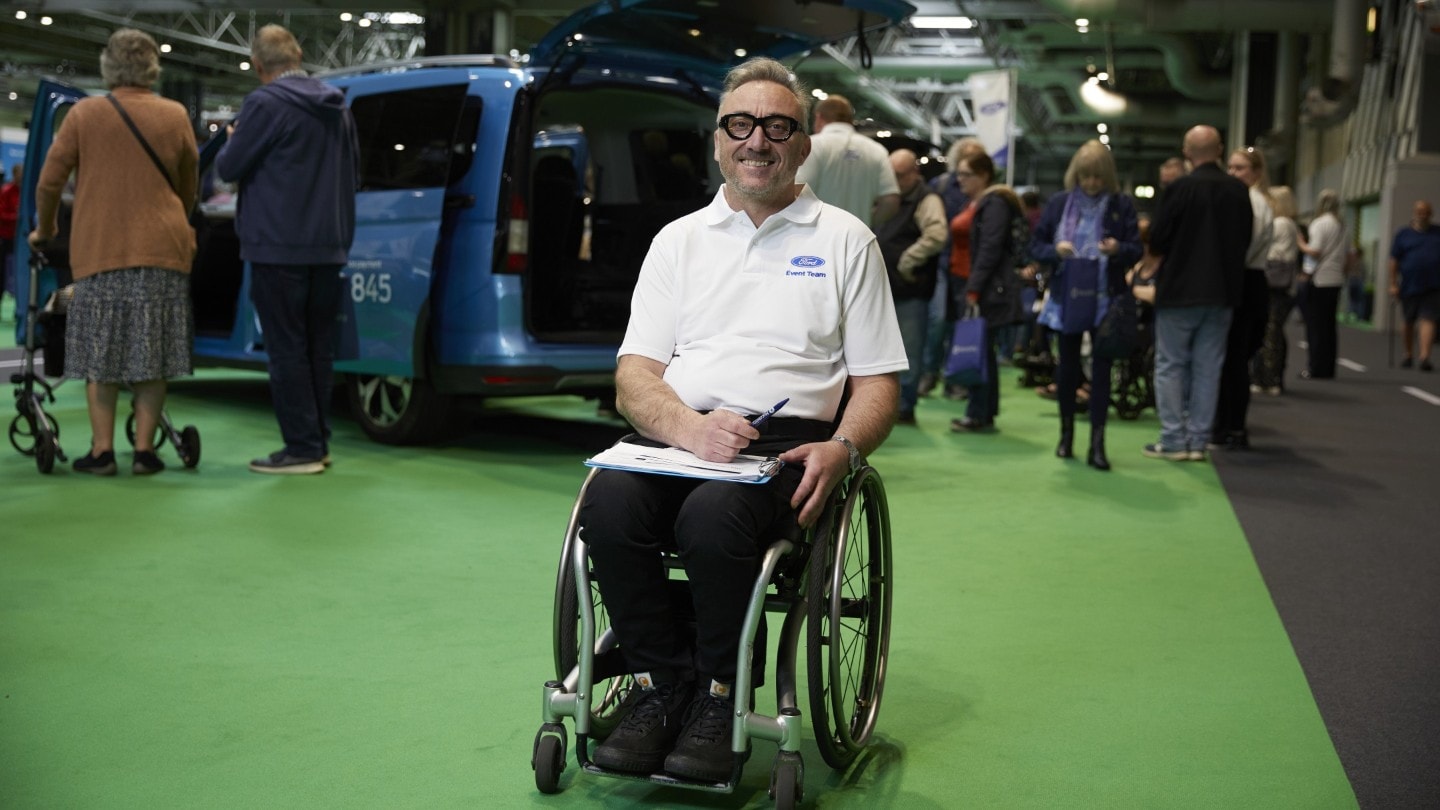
<point x="757" y="168"/>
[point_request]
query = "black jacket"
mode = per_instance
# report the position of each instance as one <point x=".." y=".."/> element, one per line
<point x="992" y="261"/>
<point x="1202" y="231"/>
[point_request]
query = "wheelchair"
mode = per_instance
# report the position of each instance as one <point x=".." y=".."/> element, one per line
<point x="1132" y="380"/>
<point x="832" y="583"/>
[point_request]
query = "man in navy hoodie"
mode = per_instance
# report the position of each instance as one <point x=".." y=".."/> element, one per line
<point x="294" y="152"/>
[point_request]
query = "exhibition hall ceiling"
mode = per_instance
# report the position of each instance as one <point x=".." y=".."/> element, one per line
<point x="1140" y="70"/>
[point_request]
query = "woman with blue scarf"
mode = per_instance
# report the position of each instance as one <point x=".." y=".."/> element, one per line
<point x="1088" y="235"/>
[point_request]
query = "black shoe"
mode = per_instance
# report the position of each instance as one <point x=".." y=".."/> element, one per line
<point x="1407" y="363"/>
<point x="1425" y="366"/>
<point x="282" y="463"/>
<point x="703" y="750"/>
<point x="648" y="731"/>
<point x="968" y="425"/>
<point x="146" y="463"/>
<point x="103" y="464"/>
<point x="905" y="418"/>
<point x="927" y="384"/>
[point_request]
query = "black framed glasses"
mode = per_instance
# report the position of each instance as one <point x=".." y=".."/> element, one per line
<point x="777" y="128"/>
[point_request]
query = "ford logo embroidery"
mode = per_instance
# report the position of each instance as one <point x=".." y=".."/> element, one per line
<point x="992" y="108"/>
<point x="807" y="261"/>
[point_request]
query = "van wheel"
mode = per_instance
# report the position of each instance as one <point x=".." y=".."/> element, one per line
<point x="398" y="410"/>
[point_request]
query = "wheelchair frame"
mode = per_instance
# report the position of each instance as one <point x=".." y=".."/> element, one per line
<point x="834" y="582"/>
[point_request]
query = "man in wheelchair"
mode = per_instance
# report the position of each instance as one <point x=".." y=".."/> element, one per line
<point x="766" y="293"/>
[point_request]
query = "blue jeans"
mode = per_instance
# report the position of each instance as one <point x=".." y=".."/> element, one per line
<point x="298" y="306"/>
<point x="938" y="328"/>
<point x="1189" y="352"/>
<point x="913" y="315"/>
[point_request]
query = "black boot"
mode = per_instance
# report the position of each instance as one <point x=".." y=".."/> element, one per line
<point x="1096" y="457"/>
<point x="1066" y="447"/>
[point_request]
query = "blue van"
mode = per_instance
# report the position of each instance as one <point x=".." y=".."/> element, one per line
<point x="505" y="209"/>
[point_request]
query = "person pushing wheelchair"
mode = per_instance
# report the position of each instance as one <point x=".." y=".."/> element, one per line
<point x="765" y="294"/>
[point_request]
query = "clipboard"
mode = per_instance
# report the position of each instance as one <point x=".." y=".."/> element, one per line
<point x="660" y="460"/>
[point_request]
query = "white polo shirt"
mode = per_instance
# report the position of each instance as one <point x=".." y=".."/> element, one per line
<point x="848" y="170"/>
<point x="744" y="317"/>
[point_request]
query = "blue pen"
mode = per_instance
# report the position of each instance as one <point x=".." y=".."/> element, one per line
<point x="760" y="420"/>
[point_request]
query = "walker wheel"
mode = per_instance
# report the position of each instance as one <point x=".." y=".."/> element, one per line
<point x="45" y="454"/>
<point x="130" y="433"/>
<point x="22" y="429"/>
<point x="189" y="448"/>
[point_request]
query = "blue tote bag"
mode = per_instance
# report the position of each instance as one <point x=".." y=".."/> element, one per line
<point x="966" y="363"/>
<point x="1079" y="294"/>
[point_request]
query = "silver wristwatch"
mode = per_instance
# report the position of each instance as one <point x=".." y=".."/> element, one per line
<point x="851" y="449"/>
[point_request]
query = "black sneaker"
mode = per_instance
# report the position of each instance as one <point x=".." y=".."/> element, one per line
<point x="103" y="464"/>
<point x="648" y="731"/>
<point x="146" y="463"/>
<point x="703" y="750"/>
<point x="282" y="463"/>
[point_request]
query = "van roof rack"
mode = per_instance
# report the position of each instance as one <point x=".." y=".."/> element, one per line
<point x="454" y="60"/>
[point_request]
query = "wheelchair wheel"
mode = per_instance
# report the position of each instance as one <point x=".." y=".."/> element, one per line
<point x="1131" y="386"/>
<point x="22" y="434"/>
<point x="611" y="688"/>
<point x="848" y="634"/>
<point x="787" y="781"/>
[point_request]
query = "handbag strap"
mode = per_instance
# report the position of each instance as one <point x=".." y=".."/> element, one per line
<point x="154" y="158"/>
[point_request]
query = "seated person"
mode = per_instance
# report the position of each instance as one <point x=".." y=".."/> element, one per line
<point x="766" y="293"/>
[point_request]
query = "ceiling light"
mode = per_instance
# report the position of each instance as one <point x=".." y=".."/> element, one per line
<point x="244" y="65"/>
<point x="960" y="23"/>
<point x="741" y="53"/>
<point x="1082" y="23"/>
<point x="345" y="16"/>
<point x="1102" y="100"/>
<point x="1103" y="76"/>
<point x="694" y="32"/>
<point x="820" y="94"/>
<point x="364" y="22"/>
<point x="20" y="15"/>
<point x="1101" y="128"/>
<point x="165" y="48"/>
<point x="1105" y="139"/>
<point x="46" y="20"/>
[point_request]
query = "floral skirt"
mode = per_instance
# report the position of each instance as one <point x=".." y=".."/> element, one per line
<point x="130" y="325"/>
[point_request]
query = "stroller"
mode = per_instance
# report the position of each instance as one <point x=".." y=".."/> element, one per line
<point x="33" y="432"/>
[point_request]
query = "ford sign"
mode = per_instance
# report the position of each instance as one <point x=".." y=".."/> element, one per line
<point x="807" y="261"/>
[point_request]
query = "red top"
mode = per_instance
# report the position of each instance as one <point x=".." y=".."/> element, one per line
<point x="9" y="209"/>
<point x="960" y="241"/>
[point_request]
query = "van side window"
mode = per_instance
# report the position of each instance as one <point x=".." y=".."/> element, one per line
<point x="409" y="138"/>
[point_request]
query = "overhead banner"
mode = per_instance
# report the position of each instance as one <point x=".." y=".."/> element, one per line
<point x="992" y="94"/>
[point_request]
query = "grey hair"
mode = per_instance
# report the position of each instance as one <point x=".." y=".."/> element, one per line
<point x="1328" y="202"/>
<point x="130" y="58"/>
<point x="765" y="69"/>
<point x="274" y="49"/>
<point x="960" y="149"/>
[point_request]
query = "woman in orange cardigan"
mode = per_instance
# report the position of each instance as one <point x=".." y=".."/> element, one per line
<point x="131" y="246"/>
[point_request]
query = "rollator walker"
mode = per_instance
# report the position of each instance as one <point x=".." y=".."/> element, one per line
<point x="831" y="582"/>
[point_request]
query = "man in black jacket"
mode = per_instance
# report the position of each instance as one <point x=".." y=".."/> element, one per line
<point x="1201" y="232"/>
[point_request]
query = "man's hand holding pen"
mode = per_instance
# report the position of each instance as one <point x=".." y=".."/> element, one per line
<point x="720" y="435"/>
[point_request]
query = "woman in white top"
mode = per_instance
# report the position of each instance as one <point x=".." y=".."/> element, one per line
<point x="1328" y="246"/>
<point x="1282" y="262"/>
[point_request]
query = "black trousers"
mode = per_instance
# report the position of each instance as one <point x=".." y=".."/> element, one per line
<point x="1067" y="380"/>
<point x="720" y="530"/>
<point x="1247" y="335"/>
<point x="1268" y="368"/>
<point x="1322" y="304"/>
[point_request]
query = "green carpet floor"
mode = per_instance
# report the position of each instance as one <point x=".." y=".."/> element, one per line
<point x="377" y="636"/>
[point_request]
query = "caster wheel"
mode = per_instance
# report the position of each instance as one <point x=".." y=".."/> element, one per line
<point x="190" y="446"/>
<point x="787" y="783"/>
<point x="548" y="759"/>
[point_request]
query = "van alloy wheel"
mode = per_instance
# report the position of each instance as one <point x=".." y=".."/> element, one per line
<point x="397" y="410"/>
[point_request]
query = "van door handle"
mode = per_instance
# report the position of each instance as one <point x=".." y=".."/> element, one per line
<point x="459" y="201"/>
